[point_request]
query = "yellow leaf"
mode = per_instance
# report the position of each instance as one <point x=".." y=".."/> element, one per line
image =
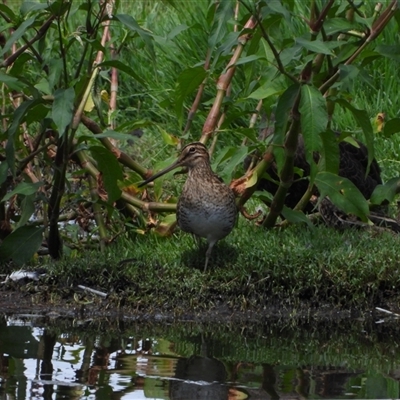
<point x="89" y="103"/>
<point x="168" y="139"/>
<point x="252" y="180"/>
<point x="104" y="96"/>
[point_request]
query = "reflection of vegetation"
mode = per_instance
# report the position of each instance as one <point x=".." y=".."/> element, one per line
<point x="305" y="357"/>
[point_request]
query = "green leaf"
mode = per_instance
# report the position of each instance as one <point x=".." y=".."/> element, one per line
<point x="17" y="35"/>
<point x="29" y="6"/>
<point x="55" y="71"/>
<point x="43" y="86"/>
<point x="111" y="171"/>
<point x="24" y="188"/>
<point x="343" y="194"/>
<point x="21" y="244"/>
<point x="348" y="73"/>
<point x="63" y="107"/>
<point x="389" y="51"/>
<point x="336" y="25"/>
<point x="146" y="36"/>
<point x="188" y="81"/>
<point x="226" y="46"/>
<point x="285" y="104"/>
<point x="176" y="31"/>
<point x="7" y="11"/>
<point x="28" y="208"/>
<point x="124" y="68"/>
<point x="109" y="134"/>
<point x="314" y="118"/>
<point x="218" y="30"/>
<point x="12" y="82"/>
<point x="362" y="118"/>
<point x="277" y="8"/>
<point x="237" y="157"/>
<point x="3" y="171"/>
<point x="387" y="191"/>
<point x="59" y="7"/>
<point x="268" y="89"/>
<point x="168" y="139"/>
<point x="330" y="154"/>
<point x="296" y="216"/>
<point x="248" y="59"/>
<point x="392" y="126"/>
<point x="315" y="46"/>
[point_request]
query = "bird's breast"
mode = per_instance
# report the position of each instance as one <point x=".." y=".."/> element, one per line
<point x="208" y="213"/>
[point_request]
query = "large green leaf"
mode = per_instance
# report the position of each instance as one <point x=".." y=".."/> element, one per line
<point x="268" y="89"/>
<point x="3" y="171"/>
<point x="386" y="191"/>
<point x="336" y="25"/>
<point x="124" y="68"/>
<point x="343" y="194"/>
<point x="295" y="216"/>
<point x="18" y="116"/>
<point x="28" y="208"/>
<point x="316" y="46"/>
<point x="314" y="118"/>
<point x="145" y="35"/>
<point x="277" y="8"/>
<point x="176" y="31"/>
<point x="7" y="11"/>
<point x="111" y="170"/>
<point x="285" y="104"/>
<point x="31" y="6"/>
<point x="21" y="244"/>
<point x="188" y="81"/>
<point x="392" y="126"/>
<point x="223" y="12"/>
<point x="12" y="82"/>
<point x="362" y="118"/>
<point x="329" y="153"/>
<point x="24" y="188"/>
<point x="389" y="51"/>
<point x="107" y="134"/>
<point x="63" y="107"/>
<point x="237" y="157"/>
<point x="17" y="35"/>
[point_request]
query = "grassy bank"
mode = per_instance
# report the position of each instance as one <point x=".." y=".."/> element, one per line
<point x="251" y="270"/>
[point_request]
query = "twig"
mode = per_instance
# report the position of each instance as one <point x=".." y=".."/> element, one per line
<point x="387" y="311"/>
<point x="94" y="291"/>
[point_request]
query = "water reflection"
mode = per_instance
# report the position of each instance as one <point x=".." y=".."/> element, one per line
<point x="54" y="359"/>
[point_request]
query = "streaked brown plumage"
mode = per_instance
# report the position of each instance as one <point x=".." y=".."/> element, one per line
<point x="206" y="207"/>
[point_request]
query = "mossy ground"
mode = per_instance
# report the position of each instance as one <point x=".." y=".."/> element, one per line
<point x="251" y="270"/>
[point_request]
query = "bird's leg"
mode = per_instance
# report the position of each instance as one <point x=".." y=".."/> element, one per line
<point x="208" y="253"/>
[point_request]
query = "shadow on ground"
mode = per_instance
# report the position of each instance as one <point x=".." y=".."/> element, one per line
<point x="223" y="254"/>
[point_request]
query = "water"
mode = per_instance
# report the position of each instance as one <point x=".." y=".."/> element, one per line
<point x="71" y="359"/>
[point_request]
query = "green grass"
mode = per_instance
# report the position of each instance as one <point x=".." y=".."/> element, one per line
<point x="250" y="270"/>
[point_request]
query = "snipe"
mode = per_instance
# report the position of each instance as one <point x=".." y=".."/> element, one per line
<point x="206" y="208"/>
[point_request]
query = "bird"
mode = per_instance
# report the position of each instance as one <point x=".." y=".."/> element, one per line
<point x="206" y="207"/>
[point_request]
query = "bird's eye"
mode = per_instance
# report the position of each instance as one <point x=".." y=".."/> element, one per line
<point x="192" y="149"/>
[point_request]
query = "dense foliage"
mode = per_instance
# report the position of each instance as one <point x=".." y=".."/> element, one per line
<point x="82" y="81"/>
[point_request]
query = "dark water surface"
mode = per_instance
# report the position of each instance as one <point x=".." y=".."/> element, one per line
<point x="77" y="359"/>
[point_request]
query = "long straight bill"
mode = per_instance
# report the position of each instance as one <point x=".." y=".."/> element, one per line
<point x="158" y="174"/>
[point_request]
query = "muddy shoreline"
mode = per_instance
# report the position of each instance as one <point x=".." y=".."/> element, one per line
<point x="17" y="302"/>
